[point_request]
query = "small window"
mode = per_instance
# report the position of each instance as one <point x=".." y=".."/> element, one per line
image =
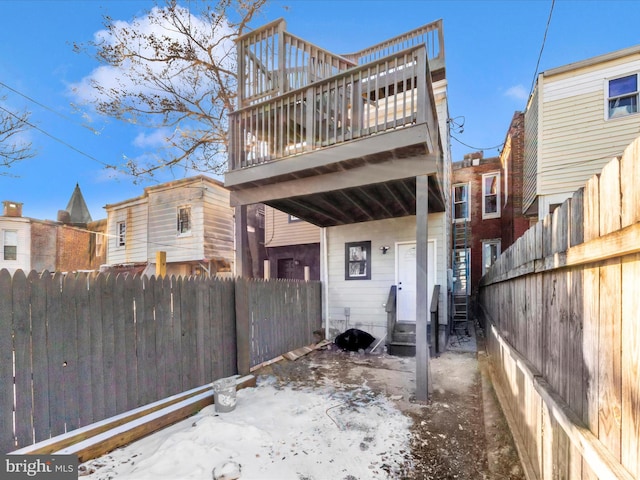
<point x="622" y="96"/>
<point x="491" y="195"/>
<point x="461" y="201"/>
<point x="490" y="253"/>
<point x="121" y="228"/>
<point x="293" y="219"/>
<point x="184" y="220"/>
<point x="10" y="243"/>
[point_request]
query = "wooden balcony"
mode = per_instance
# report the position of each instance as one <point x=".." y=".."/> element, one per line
<point x="336" y="139"/>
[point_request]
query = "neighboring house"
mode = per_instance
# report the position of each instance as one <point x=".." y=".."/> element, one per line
<point x="487" y="216"/>
<point x="292" y="244"/>
<point x="578" y="117"/>
<point x="357" y="145"/>
<point x="190" y="220"/>
<point x="57" y="246"/>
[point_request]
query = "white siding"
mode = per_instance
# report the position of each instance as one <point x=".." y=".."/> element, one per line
<point x="576" y="138"/>
<point x="22" y="227"/>
<point x="366" y="299"/>
<point x="152" y="225"/>
<point x="530" y="168"/>
<point x="218" y="225"/>
<point x="135" y="216"/>
<point x="163" y="231"/>
<point x="280" y="232"/>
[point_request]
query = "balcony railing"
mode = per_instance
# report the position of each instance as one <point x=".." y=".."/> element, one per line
<point x="430" y="35"/>
<point x="273" y="61"/>
<point x="387" y="94"/>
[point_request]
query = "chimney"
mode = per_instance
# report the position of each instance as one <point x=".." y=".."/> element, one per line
<point x="12" y="209"/>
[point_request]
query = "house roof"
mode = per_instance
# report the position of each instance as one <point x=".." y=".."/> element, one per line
<point x="77" y="208"/>
<point x="635" y="50"/>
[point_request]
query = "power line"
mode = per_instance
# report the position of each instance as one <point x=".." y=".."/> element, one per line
<point x="476" y="148"/>
<point x="53" y="137"/>
<point x="544" y="40"/>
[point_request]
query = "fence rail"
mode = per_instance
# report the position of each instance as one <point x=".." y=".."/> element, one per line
<point x="76" y="349"/>
<point x="563" y="330"/>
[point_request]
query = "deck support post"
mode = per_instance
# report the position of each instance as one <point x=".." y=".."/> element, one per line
<point x="243" y="256"/>
<point x="423" y="370"/>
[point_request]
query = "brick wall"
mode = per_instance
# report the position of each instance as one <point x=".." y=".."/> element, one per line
<point x="73" y="249"/>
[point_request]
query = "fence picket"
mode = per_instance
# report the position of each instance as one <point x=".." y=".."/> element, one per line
<point x="84" y="315"/>
<point x="39" y="357"/>
<point x="55" y="341"/>
<point x="631" y="365"/>
<point x="130" y="340"/>
<point x="119" y="346"/>
<point x="22" y="345"/>
<point x="630" y="185"/>
<point x="70" y="354"/>
<point x="6" y="362"/>
<point x="97" y="356"/>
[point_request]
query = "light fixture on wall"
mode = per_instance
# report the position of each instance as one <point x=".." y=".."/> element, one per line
<point x="384" y="249"/>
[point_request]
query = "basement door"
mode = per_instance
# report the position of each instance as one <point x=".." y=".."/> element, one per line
<point x="406" y="279"/>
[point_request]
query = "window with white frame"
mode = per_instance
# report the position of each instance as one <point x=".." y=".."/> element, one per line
<point x="490" y="253"/>
<point x="461" y="202"/>
<point x="121" y="232"/>
<point x="10" y="244"/>
<point x="184" y="220"/>
<point x="622" y="96"/>
<point x="491" y="195"/>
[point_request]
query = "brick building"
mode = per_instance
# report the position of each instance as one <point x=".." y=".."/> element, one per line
<point x="487" y="210"/>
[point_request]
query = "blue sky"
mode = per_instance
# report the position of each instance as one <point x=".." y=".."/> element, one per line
<point x="492" y="48"/>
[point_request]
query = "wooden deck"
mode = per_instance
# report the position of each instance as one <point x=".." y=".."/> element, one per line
<point x="317" y="129"/>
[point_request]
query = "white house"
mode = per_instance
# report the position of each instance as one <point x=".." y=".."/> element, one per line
<point x="578" y="117"/>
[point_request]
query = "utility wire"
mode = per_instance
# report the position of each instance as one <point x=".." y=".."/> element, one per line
<point x="544" y="40"/>
<point x="68" y="145"/>
<point x="476" y="148"/>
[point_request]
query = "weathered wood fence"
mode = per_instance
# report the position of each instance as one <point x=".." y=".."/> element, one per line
<point x="76" y="349"/>
<point x="563" y="326"/>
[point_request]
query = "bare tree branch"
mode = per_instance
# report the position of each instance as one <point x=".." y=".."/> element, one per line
<point x="175" y="70"/>
<point x="13" y="148"/>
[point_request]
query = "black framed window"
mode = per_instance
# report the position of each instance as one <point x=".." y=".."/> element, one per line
<point x="357" y="261"/>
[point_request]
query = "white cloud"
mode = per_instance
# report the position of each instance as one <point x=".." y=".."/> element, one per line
<point x="517" y="92"/>
<point x="156" y="139"/>
<point x="129" y="76"/>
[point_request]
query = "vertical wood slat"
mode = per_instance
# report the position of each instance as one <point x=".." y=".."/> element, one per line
<point x="130" y="336"/>
<point x="630" y="185"/>
<point x="54" y="352"/>
<point x="631" y="365"/>
<point x="6" y="362"/>
<point x="39" y="356"/>
<point x="162" y="328"/>
<point x="108" y="344"/>
<point x="610" y="196"/>
<point x="609" y="382"/>
<point x="119" y="345"/>
<point x="174" y="359"/>
<point x="22" y="345"/>
<point x="147" y="342"/>
<point x="97" y="376"/>
<point x="71" y="380"/>
<point x="83" y="332"/>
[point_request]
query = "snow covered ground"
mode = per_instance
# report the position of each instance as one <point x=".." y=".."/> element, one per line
<point x="275" y="432"/>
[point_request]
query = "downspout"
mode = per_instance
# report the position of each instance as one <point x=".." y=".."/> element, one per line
<point x="325" y="279"/>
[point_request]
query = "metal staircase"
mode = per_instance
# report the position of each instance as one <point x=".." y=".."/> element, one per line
<point x="461" y="277"/>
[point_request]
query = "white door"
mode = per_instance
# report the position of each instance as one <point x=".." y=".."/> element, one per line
<point x="406" y="285"/>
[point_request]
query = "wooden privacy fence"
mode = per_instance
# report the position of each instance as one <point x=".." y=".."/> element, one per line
<point x="563" y="325"/>
<point x="77" y="349"/>
<point x="267" y="311"/>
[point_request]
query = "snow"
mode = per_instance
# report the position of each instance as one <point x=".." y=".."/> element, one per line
<point x="274" y="432"/>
